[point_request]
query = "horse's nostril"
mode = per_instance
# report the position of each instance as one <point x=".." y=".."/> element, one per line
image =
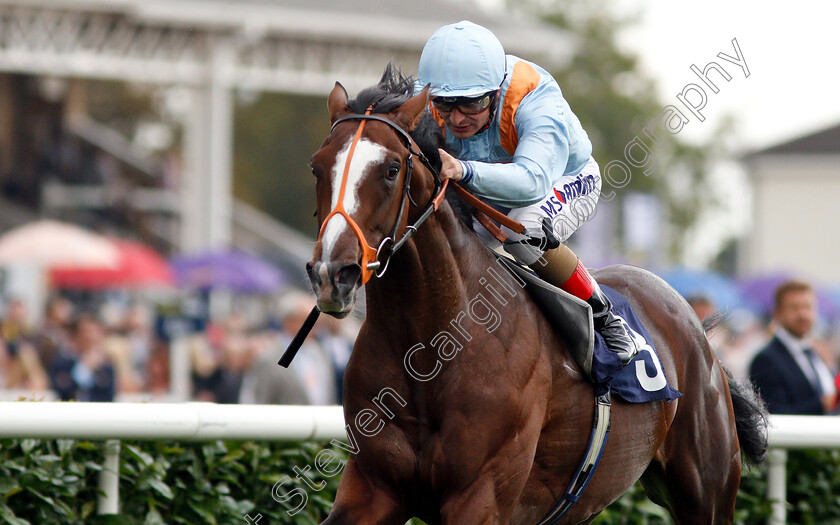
<point x="347" y="276"/>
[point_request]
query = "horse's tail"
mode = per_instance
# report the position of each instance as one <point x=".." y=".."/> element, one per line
<point x="750" y="411"/>
<point x="711" y="322"/>
<point x="750" y="419"/>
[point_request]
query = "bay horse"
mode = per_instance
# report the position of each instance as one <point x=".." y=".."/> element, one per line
<point x="487" y="424"/>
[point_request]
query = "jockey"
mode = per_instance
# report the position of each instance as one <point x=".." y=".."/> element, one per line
<point x="519" y="147"/>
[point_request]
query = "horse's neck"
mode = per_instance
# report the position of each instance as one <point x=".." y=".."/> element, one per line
<point x="431" y="279"/>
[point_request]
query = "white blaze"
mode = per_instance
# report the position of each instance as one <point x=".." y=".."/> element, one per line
<point x="365" y="154"/>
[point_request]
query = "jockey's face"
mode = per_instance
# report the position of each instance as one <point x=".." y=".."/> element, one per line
<point x="465" y="116"/>
<point x="465" y="126"/>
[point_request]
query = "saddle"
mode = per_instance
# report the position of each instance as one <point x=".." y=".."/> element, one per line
<point x="570" y="317"/>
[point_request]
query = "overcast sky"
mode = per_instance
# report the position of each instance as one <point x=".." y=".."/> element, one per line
<point x="792" y="50"/>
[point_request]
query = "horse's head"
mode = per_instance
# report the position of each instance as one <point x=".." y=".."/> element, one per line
<point x="361" y="172"/>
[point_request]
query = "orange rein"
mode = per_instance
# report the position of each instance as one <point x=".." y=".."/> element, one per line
<point x="483" y="211"/>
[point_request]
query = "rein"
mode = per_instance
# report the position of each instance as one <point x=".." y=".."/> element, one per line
<point x="371" y="263"/>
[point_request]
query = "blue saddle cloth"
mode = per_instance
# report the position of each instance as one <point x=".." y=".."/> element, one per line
<point x="642" y="379"/>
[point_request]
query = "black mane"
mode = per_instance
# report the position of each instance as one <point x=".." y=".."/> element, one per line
<point x="392" y="91"/>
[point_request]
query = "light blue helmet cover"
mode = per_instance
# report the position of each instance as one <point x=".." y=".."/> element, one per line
<point x="462" y="60"/>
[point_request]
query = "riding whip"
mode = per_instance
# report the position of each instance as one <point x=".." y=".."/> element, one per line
<point x="299" y="338"/>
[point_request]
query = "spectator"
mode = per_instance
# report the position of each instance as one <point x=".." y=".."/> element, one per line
<point x="139" y="336"/>
<point x="118" y="352"/>
<point x="717" y="332"/>
<point x="703" y="306"/>
<point x="748" y="336"/>
<point x="218" y="372"/>
<point x="54" y="337"/>
<point x="789" y="375"/>
<point x="235" y="360"/>
<point x="23" y="366"/>
<point x="87" y="375"/>
<point x="313" y="365"/>
<point x="310" y="379"/>
<point x="157" y="371"/>
<point x="203" y="365"/>
<point x="117" y="348"/>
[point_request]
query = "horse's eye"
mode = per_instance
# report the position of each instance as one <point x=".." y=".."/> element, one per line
<point x="393" y="171"/>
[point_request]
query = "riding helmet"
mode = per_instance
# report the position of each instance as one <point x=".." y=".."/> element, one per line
<point x="462" y="60"/>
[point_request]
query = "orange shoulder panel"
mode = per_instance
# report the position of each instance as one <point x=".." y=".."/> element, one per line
<point x="523" y="80"/>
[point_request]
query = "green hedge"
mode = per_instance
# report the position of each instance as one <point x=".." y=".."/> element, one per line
<point x="220" y="482"/>
<point x="55" y="482"/>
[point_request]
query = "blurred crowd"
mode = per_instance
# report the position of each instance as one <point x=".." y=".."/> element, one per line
<point x="791" y="355"/>
<point x="120" y="354"/>
<point x="114" y="353"/>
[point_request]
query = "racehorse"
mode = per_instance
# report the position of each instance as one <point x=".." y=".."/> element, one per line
<point x="459" y="420"/>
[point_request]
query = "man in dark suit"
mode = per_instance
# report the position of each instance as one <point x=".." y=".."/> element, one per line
<point x="789" y="375"/>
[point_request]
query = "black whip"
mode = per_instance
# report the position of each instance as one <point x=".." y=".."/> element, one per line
<point x="299" y="338"/>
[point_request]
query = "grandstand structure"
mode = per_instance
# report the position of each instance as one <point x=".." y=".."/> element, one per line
<point x="211" y="49"/>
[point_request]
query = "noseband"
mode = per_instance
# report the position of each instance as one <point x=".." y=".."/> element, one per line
<point x="371" y="263"/>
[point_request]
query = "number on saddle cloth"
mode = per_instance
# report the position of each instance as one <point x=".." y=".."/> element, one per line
<point x="643" y="379"/>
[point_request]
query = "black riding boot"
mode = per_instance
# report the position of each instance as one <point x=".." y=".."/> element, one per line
<point x="611" y="328"/>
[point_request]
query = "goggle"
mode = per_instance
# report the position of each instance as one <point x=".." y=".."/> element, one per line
<point x="466" y="105"/>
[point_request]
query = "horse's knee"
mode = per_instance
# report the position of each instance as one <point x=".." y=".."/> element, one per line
<point x="335" y="519"/>
<point x="373" y="514"/>
<point x="476" y="505"/>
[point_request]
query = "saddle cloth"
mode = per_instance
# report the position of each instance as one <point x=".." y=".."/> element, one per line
<point x="640" y="381"/>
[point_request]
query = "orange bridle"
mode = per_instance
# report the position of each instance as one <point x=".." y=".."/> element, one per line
<point x="369" y="253"/>
<point x="370" y="256"/>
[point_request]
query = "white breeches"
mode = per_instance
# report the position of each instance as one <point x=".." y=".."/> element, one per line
<point x="569" y="204"/>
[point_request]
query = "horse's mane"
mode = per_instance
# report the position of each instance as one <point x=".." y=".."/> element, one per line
<point x="391" y="92"/>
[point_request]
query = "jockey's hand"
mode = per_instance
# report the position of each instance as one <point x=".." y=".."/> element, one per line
<point x="452" y="167"/>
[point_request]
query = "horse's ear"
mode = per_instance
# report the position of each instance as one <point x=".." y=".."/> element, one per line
<point x="337" y="102"/>
<point x="410" y="112"/>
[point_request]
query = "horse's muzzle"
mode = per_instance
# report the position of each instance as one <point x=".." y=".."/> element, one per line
<point x="334" y="284"/>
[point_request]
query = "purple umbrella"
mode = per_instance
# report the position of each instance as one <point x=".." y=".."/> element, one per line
<point x="759" y="293"/>
<point x="230" y="269"/>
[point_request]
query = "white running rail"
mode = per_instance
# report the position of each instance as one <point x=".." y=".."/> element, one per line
<point x="208" y="421"/>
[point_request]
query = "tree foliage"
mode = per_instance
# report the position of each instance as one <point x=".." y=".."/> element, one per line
<point x="274" y="137"/>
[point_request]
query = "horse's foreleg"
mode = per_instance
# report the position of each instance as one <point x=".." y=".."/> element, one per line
<point x="360" y="502"/>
